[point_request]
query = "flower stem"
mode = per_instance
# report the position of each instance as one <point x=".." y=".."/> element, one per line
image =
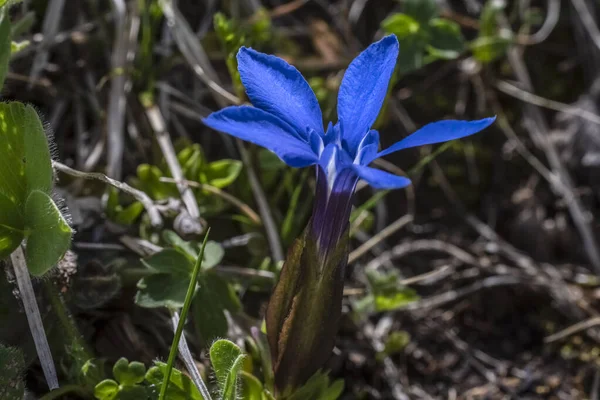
<point x="33" y="317"/>
<point x="179" y="331"/>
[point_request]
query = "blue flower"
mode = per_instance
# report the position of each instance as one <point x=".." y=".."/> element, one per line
<point x="287" y="120"/>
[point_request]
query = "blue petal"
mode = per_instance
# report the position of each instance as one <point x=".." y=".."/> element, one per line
<point x="259" y="127"/>
<point x="367" y="149"/>
<point x="278" y="88"/>
<point x="437" y="132"/>
<point x="380" y="179"/>
<point x="363" y="89"/>
<point x="332" y="160"/>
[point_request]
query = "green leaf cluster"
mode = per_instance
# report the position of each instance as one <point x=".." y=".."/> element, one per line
<point x="492" y="42"/>
<point x="424" y="37"/>
<point x="132" y="382"/>
<point x="26" y="181"/>
<point x="218" y="174"/>
<point x="232" y="35"/>
<point x="167" y="283"/>
<point x="127" y="383"/>
<point x="385" y="293"/>
<point x="319" y="387"/>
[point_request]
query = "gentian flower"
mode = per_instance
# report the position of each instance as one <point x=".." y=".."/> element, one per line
<point x="287" y="120"/>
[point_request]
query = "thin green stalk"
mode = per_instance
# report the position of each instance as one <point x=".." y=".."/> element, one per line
<point x="180" y="325"/>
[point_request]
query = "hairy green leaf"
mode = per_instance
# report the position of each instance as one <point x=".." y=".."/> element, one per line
<point x="49" y="233"/>
<point x="180" y="386"/>
<point x="226" y="358"/>
<point x="25" y="164"/>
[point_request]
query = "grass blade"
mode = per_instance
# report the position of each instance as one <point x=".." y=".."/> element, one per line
<point x="179" y="331"/>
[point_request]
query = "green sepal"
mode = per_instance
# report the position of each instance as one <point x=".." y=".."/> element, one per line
<point x="304" y="310"/>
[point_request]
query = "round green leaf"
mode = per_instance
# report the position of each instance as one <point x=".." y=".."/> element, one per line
<point x="162" y="290"/>
<point x="213" y="254"/>
<point x="25" y="164"/>
<point x="49" y="234"/>
<point x="106" y="390"/>
<point x="129" y="373"/>
<point x="170" y="261"/>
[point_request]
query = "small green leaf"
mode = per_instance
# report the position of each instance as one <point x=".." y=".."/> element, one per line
<point x="148" y="180"/>
<point x="106" y="390"/>
<point x="92" y="372"/>
<point x="162" y="290"/>
<point x="334" y="391"/>
<point x="412" y="55"/>
<point x="230" y="389"/>
<point x="11" y="226"/>
<point x="421" y="10"/>
<point x="226" y="359"/>
<point x="213" y="297"/>
<point x="388" y="292"/>
<point x="396" y="342"/>
<point x="401" y="25"/>
<point x="129" y="373"/>
<point x="489" y="48"/>
<point x="213" y="254"/>
<point x="446" y="39"/>
<point x="38" y="164"/>
<point x="492" y="42"/>
<point x="16" y="47"/>
<point x="128" y="215"/>
<point x="180" y="386"/>
<point x="5" y="48"/>
<point x="319" y="387"/>
<point x="49" y="233"/>
<point x="488" y="23"/>
<point x="132" y="393"/>
<point x="191" y="159"/>
<point x="25" y="164"/>
<point x="221" y="173"/>
<point x="170" y="261"/>
<point x="253" y="388"/>
<point x="176" y="241"/>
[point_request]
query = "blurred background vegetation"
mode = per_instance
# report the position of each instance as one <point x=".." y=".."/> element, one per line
<point x="480" y="281"/>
